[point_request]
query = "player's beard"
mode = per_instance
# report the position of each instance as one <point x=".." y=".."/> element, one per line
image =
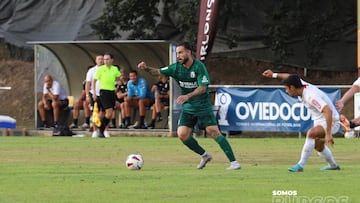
<point x="184" y="61"/>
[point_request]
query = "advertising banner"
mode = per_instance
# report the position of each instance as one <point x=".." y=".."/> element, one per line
<point x="264" y="109"/>
<point x="209" y="11"/>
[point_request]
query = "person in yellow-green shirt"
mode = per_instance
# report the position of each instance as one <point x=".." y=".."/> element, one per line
<point x="107" y="74"/>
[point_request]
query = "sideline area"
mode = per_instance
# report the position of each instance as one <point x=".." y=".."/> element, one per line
<point x="113" y="132"/>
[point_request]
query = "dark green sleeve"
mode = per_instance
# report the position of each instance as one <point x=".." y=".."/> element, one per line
<point x="168" y="70"/>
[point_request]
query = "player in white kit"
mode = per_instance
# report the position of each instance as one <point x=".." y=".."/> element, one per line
<point x="324" y="115"/>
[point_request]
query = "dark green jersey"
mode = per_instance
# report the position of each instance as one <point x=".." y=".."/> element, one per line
<point x="189" y="80"/>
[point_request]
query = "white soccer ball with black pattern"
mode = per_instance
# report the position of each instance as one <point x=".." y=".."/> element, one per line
<point x="349" y="134"/>
<point x="134" y="162"/>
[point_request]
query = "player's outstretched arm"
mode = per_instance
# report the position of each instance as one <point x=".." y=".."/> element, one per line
<point x="153" y="71"/>
<point x="270" y="74"/>
<point x="347" y="96"/>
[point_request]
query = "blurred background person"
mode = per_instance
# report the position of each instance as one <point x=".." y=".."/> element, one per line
<point x="53" y="98"/>
<point x="161" y="92"/>
<point x="139" y="96"/>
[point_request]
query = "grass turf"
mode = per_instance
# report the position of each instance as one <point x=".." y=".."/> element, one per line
<point x="65" y="169"/>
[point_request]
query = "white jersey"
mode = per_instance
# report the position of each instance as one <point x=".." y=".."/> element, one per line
<point x="56" y="89"/>
<point x="357" y="82"/>
<point x="315" y="100"/>
<point x="90" y="75"/>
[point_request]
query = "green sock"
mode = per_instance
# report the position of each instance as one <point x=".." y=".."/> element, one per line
<point x="194" y="145"/>
<point x="225" y="146"/>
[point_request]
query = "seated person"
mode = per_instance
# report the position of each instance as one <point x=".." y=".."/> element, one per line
<point x="139" y="95"/>
<point x="81" y="103"/>
<point x="53" y="98"/>
<point x="121" y="93"/>
<point x="161" y="91"/>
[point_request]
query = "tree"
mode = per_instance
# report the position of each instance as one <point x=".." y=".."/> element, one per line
<point x="311" y="21"/>
<point x="156" y="19"/>
<point x="136" y="16"/>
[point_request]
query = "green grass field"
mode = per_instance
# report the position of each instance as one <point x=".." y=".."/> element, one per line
<point x="66" y="169"/>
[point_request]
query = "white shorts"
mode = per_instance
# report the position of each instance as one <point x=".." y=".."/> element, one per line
<point x="335" y="127"/>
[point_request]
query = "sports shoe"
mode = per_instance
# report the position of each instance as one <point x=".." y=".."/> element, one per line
<point x="296" y="168"/>
<point x="345" y="123"/>
<point x="85" y="126"/>
<point x="133" y="125"/>
<point x="112" y="125"/>
<point x="159" y="118"/>
<point x="127" y="123"/>
<point x="234" y="166"/>
<point x="72" y="125"/>
<point x="123" y="126"/>
<point x="95" y="134"/>
<point x="43" y="127"/>
<point x="101" y="134"/>
<point x="151" y="125"/>
<point x="204" y="160"/>
<point x="141" y="126"/>
<point x="329" y="168"/>
<point x="106" y="134"/>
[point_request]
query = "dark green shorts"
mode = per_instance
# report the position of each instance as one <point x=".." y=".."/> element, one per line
<point x="190" y="120"/>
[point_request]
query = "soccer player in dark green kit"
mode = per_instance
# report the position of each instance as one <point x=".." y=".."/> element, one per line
<point x="193" y="79"/>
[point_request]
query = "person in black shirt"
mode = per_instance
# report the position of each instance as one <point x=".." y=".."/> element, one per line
<point x="121" y="93"/>
<point x="161" y="92"/>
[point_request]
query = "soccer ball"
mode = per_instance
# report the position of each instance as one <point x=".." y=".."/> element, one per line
<point x="349" y="134"/>
<point x="134" y="162"/>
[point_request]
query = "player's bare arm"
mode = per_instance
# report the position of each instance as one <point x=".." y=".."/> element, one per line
<point x="51" y="95"/>
<point x="348" y="95"/>
<point x="328" y="116"/>
<point x="153" y="71"/>
<point x="87" y="91"/>
<point x="270" y="74"/>
<point x="44" y="100"/>
<point x="94" y="89"/>
<point x="198" y="91"/>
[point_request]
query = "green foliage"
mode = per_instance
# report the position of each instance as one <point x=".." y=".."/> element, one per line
<point x="229" y="12"/>
<point x="66" y="169"/>
<point x="310" y="21"/>
<point x="314" y="22"/>
<point x="188" y="12"/>
<point x="137" y="16"/>
<point x="321" y="29"/>
<point x="279" y="30"/>
<point x="141" y="19"/>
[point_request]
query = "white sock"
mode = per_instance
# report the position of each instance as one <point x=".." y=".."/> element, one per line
<point x="327" y="155"/>
<point x="306" y="151"/>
